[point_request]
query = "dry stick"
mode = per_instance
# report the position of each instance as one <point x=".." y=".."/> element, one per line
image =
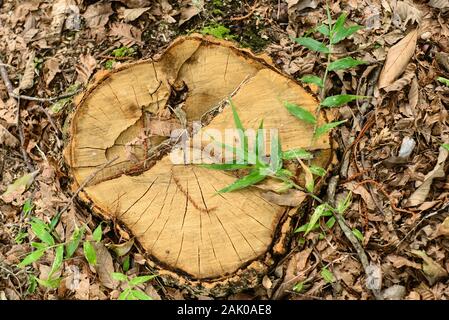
<point x="350" y="236"/>
<point x="86" y="182"/>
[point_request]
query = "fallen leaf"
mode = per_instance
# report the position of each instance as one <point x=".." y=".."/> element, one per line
<point x="132" y="14"/>
<point x="399" y="262"/>
<point x="397" y="59"/>
<point x="395" y="292"/>
<point x="432" y="270"/>
<point x="19" y="186"/>
<point x="122" y="248"/>
<point x="439" y="4"/>
<point x="105" y="266"/>
<point x="149" y="290"/>
<point x="27" y="80"/>
<point x="404" y="80"/>
<point x="128" y="35"/>
<point x="420" y="194"/>
<point x="6" y="138"/>
<point x="97" y="15"/>
<point x="163" y="128"/>
<point x="443" y="228"/>
<point x="190" y="11"/>
<point x="408" y="12"/>
<point x="361" y="191"/>
<point x="85" y="68"/>
<point x="63" y="10"/>
<point x="135" y="3"/>
<point x="291" y="198"/>
<point x="51" y="69"/>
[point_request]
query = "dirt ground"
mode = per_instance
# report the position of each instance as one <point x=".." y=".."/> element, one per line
<point x="390" y="152"/>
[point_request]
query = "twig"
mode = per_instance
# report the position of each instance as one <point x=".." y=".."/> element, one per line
<point x="246" y="16"/>
<point x="86" y="182"/>
<point x="63" y="96"/>
<point x="351" y="237"/>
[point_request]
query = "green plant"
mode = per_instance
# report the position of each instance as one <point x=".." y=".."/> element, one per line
<point x="443" y="80"/>
<point x="332" y="35"/>
<point x="130" y="293"/>
<point x="123" y="52"/>
<point x="218" y="31"/>
<point x="445" y="146"/>
<point x="50" y="243"/>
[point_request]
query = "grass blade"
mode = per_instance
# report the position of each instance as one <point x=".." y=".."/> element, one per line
<point x="312" y="79"/>
<point x="339" y="100"/>
<point x="312" y="44"/>
<point x="345" y="63"/>
<point x="32" y="257"/>
<point x="252" y="178"/>
<point x="300" y="113"/>
<point x="294" y="154"/>
<point x="327" y="127"/>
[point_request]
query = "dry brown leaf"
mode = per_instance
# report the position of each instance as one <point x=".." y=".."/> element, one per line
<point x="397" y="59"/>
<point x="190" y="11"/>
<point x="443" y="228"/>
<point x="51" y="69"/>
<point x="439" y="4"/>
<point x="408" y="12"/>
<point x="63" y="10"/>
<point x="432" y="270"/>
<point x="128" y="35"/>
<point x="163" y="128"/>
<point x="6" y="138"/>
<point x="361" y="191"/>
<point x="413" y="95"/>
<point x="132" y="14"/>
<point x="291" y="198"/>
<point x="27" y="80"/>
<point x="18" y="187"/>
<point x="404" y="80"/>
<point x="97" y="15"/>
<point x="420" y="194"/>
<point x="105" y="266"/>
<point x="135" y="3"/>
<point x="399" y="262"/>
<point x="85" y="68"/>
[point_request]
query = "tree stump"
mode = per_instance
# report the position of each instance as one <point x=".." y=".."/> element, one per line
<point x="215" y="243"/>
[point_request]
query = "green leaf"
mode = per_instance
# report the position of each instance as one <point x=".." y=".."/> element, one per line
<point x="260" y="145"/>
<point x="344" y="33"/>
<point x="345" y="63"/>
<point x="39" y="245"/>
<point x="252" y="178"/>
<point x="32" y="257"/>
<point x="27" y="207"/>
<point x="32" y="284"/>
<point x="40" y="230"/>
<point x="98" y="233"/>
<point x="276" y="151"/>
<point x="305" y="227"/>
<point x="89" y="253"/>
<point x="119" y="276"/>
<point x="344" y="204"/>
<point x="59" y="255"/>
<point x="443" y="80"/>
<point x="225" y="166"/>
<point x="318" y="171"/>
<point x="294" y="154"/>
<point x="241" y="130"/>
<point x="54" y="221"/>
<point x="139" y="295"/>
<point x="126" y="263"/>
<point x="339" y="24"/>
<point x="300" y="113"/>
<point x="142" y="279"/>
<point x="50" y="283"/>
<point x="299" y="287"/>
<point x="358" y="234"/>
<point x="339" y="100"/>
<point x="125" y="295"/>
<point x="327" y="127"/>
<point x="330" y="223"/>
<point x="312" y="79"/>
<point x="445" y="146"/>
<point x="74" y="242"/>
<point x="323" y="29"/>
<point x="317" y="214"/>
<point x="312" y="44"/>
<point x="327" y="275"/>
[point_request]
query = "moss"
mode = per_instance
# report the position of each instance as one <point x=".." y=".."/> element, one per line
<point x="218" y="31"/>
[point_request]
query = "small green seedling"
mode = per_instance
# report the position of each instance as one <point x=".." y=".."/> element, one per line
<point x="131" y="293"/>
<point x="443" y="81"/>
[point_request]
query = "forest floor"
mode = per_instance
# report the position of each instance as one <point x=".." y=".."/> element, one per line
<point x="390" y="151"/>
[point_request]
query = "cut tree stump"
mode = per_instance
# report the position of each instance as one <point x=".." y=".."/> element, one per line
<point x="194" y="237"/>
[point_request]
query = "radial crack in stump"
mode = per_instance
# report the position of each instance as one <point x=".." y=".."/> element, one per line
<point x="195" y="237"/>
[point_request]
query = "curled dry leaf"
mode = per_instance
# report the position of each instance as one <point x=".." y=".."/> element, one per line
<point x="443" y="228"/>
<point x="291" y="198"/>
<point x="97" y="15"/>
<point x="27" y="81"/>
<point x="6" y="138"/>
<point x="190" y="11"/>
<point x="128" y="35"/>
<point x="404" y="80"/>
<point x="413" y="95"/>
<point x="361" y="191"/>
<point x="408" y="12"/>
<point x="420" y="194"/>
<point x="397" y="59"/>
<point x="85" y="68"/>
<point x="105" y="266"/>
<point x="51" y="69"/>
<point x="432" y="270"/>
<point x="132" y="14"/>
